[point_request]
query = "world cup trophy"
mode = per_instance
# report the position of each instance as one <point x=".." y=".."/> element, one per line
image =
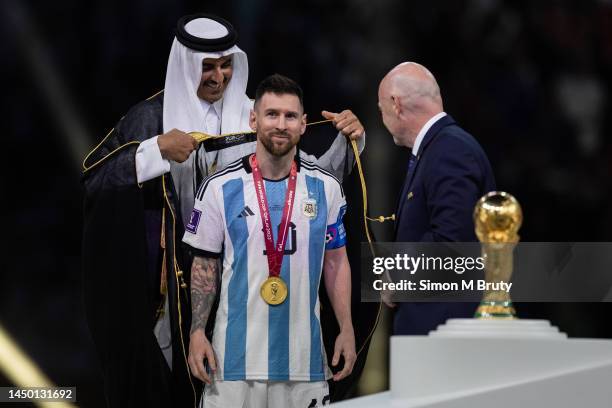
<point x="538" y="363"/>
<point x="497" y="219"/>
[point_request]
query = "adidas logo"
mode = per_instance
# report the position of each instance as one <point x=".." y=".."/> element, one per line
<point x="246" y="212"/>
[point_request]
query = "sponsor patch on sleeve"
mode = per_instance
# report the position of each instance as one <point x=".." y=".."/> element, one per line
<point x="194" y="221"/>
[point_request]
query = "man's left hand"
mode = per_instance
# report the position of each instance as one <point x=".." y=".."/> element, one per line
<point x="345" y="346"/>
<point x="346" y="122"/>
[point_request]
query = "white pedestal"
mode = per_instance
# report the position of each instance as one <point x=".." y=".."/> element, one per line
<point x="496" y="363"/>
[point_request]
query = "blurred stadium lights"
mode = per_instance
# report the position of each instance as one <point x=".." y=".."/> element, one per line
<point x="21" y="370"/>
<point x="44" y="74"/>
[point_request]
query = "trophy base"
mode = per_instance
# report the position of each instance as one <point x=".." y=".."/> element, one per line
<point x="467" y="363"/>
<point x="495" y="310"/>
<point x="498" y="328"/>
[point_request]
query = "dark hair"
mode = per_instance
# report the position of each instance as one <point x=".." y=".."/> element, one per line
<point x="279" y="84"/>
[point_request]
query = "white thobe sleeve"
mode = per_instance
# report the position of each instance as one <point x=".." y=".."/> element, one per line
<point x="149" y="161"/>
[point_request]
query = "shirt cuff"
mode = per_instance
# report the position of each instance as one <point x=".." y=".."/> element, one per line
<point x="361" y="143"/>
<point x="149" y="161"/>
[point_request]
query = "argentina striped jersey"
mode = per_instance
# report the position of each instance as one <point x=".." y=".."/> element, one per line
<point x="253" y="340"/>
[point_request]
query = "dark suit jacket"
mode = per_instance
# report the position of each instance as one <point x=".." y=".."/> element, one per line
<point x="450" y="174"/>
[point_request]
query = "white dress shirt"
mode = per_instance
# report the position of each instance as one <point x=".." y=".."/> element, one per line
<point x="424" y="130"/>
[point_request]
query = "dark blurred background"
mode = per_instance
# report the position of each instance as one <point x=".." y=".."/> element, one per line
<point x="530" y="80"/>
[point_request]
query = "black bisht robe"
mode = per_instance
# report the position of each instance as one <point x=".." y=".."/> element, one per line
<point x="122" y="263"/>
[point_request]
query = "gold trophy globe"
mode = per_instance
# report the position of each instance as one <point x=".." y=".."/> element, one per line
<point x="497" y="219"/>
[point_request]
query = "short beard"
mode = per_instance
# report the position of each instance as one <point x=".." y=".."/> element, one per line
<point x="275" y="150"/>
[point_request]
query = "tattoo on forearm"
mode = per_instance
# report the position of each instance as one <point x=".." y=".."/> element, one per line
<point x="204" y="273"/>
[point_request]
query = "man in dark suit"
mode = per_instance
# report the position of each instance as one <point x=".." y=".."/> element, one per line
<point x="447" y="173"/>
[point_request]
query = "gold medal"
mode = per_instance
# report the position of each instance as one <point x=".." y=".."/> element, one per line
<point x="274" y="291"/>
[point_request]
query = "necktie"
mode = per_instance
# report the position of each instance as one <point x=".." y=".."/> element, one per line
<point x="411" y="164"/>
<point x="402" y="196"/>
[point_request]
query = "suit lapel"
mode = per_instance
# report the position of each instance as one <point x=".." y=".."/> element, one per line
<point x="400" y="199"/>
<point x="434" y="130"/>
<point x="429" y="136"/>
